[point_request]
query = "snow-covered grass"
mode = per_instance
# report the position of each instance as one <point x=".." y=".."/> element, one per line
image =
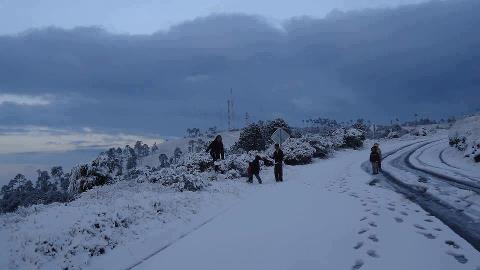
<point x="69" y="236"/>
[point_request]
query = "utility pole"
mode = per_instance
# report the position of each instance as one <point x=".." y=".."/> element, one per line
<point x="230" y="115"/>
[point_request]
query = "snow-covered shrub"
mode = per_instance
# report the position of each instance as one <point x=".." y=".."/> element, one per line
<point x="297" y="151"/>
<point x="354" y="138"/>
<point x="86" y="176"/>
<point x="465" y="136"/>
<point x="458" y="142"/>
<point x="236" y="164"/>
<point x="251" y="138"/>
<point x="323" y="145"/>
<point x="195" y="162"/>
<point x="419" y="131"/>
<point x="180" y="179"/>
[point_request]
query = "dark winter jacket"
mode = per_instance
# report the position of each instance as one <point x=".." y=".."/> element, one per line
<point x="216" y="150"/>
<point x="254" y="166"/>
<point x="375" y="156"/>
<point x="278" y="156"/>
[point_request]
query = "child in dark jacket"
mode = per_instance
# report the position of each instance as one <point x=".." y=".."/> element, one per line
<point x="254" y="169"/>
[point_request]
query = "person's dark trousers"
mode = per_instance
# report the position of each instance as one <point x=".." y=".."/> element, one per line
<point x="278" y="171"/>
<point x="250" y="178"/>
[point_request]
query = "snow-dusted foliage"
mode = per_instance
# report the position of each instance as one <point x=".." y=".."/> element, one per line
<point x="419" y="131"/>
<point x="256" y="136"/>
<point x="20" y="192"/>
<point x="465" y="136"/>
<point x="100" y="220"/>
<point x="251" y="138"/>
<point x="297" y="151"/>
<point x="108" y="167"/>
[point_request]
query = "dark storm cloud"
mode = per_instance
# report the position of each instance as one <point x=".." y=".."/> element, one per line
<point x="379" y="64"/>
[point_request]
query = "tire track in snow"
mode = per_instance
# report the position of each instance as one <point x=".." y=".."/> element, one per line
<point x="459" y="222"/>
<point x="133" y="266"/>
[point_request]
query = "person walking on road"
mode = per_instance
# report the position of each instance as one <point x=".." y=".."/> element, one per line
<point x="254" y="169"/>
<point x="375" y="158"/>
<point x="217" y="151"/>
<point x="278" y="167"/>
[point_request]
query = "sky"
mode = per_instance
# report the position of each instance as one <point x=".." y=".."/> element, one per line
<point x="149" y="16"/>
<point x="78" y="75"/>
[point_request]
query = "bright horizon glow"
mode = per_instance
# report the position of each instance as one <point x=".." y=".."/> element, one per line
<point x="26" y="100"/>
<point x="44" y="139"/>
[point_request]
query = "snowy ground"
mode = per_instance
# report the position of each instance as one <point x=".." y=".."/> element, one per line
<point x="324" y="216"/>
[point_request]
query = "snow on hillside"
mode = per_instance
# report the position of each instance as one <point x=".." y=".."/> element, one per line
<point x="465" y="136"/>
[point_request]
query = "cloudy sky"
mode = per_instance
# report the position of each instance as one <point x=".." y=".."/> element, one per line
<point x="148" y="16"/>
<point x="104" y="72"/>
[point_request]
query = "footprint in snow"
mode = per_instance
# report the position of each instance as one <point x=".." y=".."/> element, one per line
<point x="362" y="231"/>
<point x="428" y="235"/>
<point x="391" y="204"/>
<point x="459" y="257"/>
<point x="375" y="213"/>
<point x="428" y="220"/>
<point x="398" y="220"/>
<point x="358" y="264"/>
<point x="372" y="253"/>
<point x="364" y="218"/>
<point x="373" y="237"/>
<point x="391" y="209"/>
<point x="403" y="213"/>
<point x="419" y="227"/>
<point x="438" y="229"/>
<point x="364" y="204"/>
<point x="358" y="245"/>
<point x="452" y="244"/>
<point x="368" y="210"/>
<point x="373" y="224"/>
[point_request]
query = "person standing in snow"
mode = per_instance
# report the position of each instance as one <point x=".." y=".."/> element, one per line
<point x="217" y="151"/>
<point x="377" y="146"/>
<point x="254" y="169"/>
<point x="278" y="167"/>
<point x="375" y="158"/>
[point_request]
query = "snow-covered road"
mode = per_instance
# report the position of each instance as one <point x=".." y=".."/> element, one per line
<point x="451" y="194"/>
<point x="325" y="216"/>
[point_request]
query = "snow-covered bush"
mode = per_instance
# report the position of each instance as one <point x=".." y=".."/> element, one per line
<point x="419" y="131"/>
<point x="465" y="136"/>
<point x="195" y="162"/>
<point x="251" y="138"/>
<point x="354" y="138"/>
<point x="323" y="145"/>
<point x="297" y="151"/>
<point x="85" y="177"/>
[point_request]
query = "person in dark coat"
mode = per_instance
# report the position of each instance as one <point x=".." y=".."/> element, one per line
<point x="254" y="169"/>
<point x="278" y="167"/>
<point x="375" y="158"/>
<point x="217" y="151"/>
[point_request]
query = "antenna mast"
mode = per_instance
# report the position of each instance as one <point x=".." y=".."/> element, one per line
<point x="230" y="115"/>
